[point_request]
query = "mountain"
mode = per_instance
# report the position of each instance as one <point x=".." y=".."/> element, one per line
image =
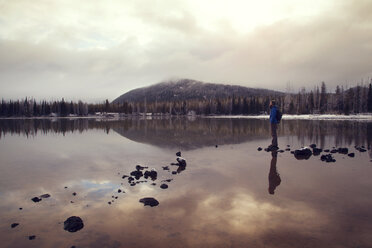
<point x="187" y="89"/>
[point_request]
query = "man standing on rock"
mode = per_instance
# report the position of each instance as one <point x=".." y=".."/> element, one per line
<point x="274" y="126"/>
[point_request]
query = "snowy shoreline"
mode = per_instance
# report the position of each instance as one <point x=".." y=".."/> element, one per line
<point x="359" y="117"/>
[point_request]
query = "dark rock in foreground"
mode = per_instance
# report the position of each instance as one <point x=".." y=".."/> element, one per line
<point x="13" y="225"/>
<point x="317" y="151"/>
<point x="343" y="150"/>
<point x="181" y="161"/>
<point x="32" y="237"/>
<point x="36" y="199"/>
<point x="327" y="158"/>
<point x="164" y="186"/>
<point x="151" y="174"/>
<point x="351" y="155"/>
<point x="149" y="201"/>
<point x="259" y="149"/>
<point x="303" y="153"/>
<point x="137" y="174"/>
<point x="73" y="224"/>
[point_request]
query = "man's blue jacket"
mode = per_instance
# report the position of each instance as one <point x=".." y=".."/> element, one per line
<point x="273" y="115"/>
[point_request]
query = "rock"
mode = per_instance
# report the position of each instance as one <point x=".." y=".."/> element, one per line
<point x="216" y="146"/>
<point x="65" y="187"/>
<point x="361" y="149"/>
<point x="178" y="154"/>
<point x="137" y="174"/>
<point x="153" y="184"/>
<point x="149" y="201"/>
<point x="165" y="167"/>
<point x="312" y="146"/>
<point x="74" y="194"/>
<point x="20" y="208"/>
<point x="292" y="152"/>
<point x="327" y="158"/>
<point x="326" y="150"/>
<point x="351" y="155"/>
<point x="303" y="153"/>
<point x="259" y="149"/>
<point x="13" y="225"/>
<point x="73" y="224"/>
<point x="124" y="176"/>
<point x="109" y="203"/>
<point x="288" y="146"/>
<point x="281" y="151"/>
<point x="343" y="150"/>
<point x="174" y="172"/>
<point x="119" y="190"/>
<point x="116" y="197"/>
<point x="151" y="174"/>
<point x="317" y="151"/>
<point x="139" y="167"/>
<point x="36" y="199"/>
<point x="32" y="237"/>
<point x="181" y="161"/>
<point x="45" y="196"/>
<point x="333" y="151"/>
<point x="288" y="149"/>
<point x="133" y="184"/>
<point x="164" y="186"/>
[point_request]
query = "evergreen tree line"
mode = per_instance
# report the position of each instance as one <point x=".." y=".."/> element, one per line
<point x="318" y="101"/>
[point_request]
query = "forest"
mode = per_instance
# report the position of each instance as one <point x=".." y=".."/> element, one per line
<point x="353" y="100"/>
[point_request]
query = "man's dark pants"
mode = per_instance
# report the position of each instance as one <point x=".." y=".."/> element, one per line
<point x="274" y="141"/>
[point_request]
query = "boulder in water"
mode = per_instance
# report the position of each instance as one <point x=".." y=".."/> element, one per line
<point x="303" y="153"/>
<point x="73" y="224"/>
<point x="149" y="201"/>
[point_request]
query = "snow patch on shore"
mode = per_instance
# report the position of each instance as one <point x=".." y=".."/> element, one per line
<point x="357" y="117"/>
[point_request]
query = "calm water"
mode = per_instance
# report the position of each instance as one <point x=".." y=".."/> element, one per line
<point x="221" y="198"/>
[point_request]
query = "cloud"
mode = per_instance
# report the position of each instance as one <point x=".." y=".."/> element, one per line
<point x="97" y="51"/>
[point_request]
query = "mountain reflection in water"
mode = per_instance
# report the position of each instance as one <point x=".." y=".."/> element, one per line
<point x="186" y="134"/>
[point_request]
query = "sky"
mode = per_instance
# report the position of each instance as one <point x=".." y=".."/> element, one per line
<point x="94" y="50"/>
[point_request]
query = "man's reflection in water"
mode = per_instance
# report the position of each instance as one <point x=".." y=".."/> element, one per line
<point x="274" y="177"/>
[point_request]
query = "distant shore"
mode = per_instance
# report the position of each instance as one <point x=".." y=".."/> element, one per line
<point x="117" y="116"/>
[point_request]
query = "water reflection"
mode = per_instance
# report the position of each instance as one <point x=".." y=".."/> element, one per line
<point x="189" y="134"/>
<point x="274" y="177"/>
<point x="220" y="200"/>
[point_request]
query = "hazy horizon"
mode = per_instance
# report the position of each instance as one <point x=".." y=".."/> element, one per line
<point x="94" y="51"/>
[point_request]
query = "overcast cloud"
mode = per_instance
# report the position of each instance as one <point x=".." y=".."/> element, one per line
<point x="93" y="50"/>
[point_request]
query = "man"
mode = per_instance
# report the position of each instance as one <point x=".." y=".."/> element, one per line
<point x="274" y="125"/>
<point x="274" y="177"/>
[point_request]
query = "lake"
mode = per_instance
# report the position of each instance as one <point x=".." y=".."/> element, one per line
<point x="229" y="194"/>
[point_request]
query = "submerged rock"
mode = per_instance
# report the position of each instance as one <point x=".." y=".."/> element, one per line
<point x="36" y="199"/>
<point x="13" y="225"/>
<point x="317" y="151"/>
<point x="73" y="224"/>
<point x="149" y="201"/>
<point x="139" y="167"/>
<point x="327" y="158"/>
<point x="45" y="196"/>
<point x="164" y="186"/>
<point x="303" y="153"/>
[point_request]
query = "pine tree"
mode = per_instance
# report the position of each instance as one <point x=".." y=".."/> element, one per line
<point x="323" y="98"/>
<point x="369" y="101"/>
